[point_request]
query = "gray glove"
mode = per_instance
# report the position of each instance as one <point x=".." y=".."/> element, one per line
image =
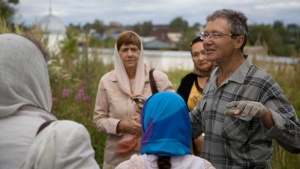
<point x="245" y="109"/>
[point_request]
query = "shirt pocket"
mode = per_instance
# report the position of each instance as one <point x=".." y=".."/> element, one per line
<point x="235" y="131"/>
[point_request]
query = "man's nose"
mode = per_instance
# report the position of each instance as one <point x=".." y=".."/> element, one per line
<point x="207" y="40"/>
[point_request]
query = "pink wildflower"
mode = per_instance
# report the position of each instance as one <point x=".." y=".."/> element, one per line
<point x="65" y="93"/>
<point x="80" y="94"/>
<point x="86" y="98"/>
<point x="54" y="100"/>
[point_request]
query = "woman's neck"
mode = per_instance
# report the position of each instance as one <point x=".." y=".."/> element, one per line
<point x="131" y="73"/>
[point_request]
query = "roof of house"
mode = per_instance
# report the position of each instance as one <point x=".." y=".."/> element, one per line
<point x="151" y="43"/>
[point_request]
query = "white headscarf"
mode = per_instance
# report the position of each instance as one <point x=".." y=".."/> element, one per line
<point x="122" y="76"/>
<point x="24" y="75"/>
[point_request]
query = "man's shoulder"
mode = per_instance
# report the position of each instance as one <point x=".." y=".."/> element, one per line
<point x="256" y="71"/>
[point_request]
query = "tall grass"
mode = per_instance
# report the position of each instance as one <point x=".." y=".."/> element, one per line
<point x="75" y="74"/>
<point x="287" y="76"/>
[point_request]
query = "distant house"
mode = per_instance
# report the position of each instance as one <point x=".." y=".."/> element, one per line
<point x="151" y="43"/>
<point x="164" y="34"/>
<point x="160" y="38"/>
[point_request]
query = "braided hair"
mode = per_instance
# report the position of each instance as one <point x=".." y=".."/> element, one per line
<point x="163" y="162"/>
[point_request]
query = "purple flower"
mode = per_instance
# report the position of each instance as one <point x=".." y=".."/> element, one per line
<point x="86" y="98"/>
<point x="80" y="94"/>
<point x="54" y="100"/>
<point x="65" y="93"/>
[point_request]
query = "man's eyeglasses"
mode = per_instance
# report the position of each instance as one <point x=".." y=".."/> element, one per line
<point x="204" y="35"/>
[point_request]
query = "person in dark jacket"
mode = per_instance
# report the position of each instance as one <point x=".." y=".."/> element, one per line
<point x="191" y="86"/>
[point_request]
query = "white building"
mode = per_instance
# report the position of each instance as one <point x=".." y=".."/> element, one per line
<point x="55" y="31"/>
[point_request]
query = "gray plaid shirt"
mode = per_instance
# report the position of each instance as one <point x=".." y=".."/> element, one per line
<point x="232" y="142"/>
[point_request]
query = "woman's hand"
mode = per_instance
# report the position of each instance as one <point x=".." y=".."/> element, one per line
<point x="131" y="126"/>
<point x="198" y="143"/>
<point x="136" y="118"/>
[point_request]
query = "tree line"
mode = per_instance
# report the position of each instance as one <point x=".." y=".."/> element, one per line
<point x="279" y="39"/>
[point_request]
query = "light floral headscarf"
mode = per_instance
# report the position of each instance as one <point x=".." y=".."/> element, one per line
<point x="122" y="76"/>
<point x="24" y="75"/>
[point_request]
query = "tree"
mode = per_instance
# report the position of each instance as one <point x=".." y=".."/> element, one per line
<point x="272" y="35"/>
<point x="72" y="26"/>
<point x="278" y="26"/>
<point x="97" y="25"/>
<point x="197" y="26"/>
<point x="114" y="25"/>
<point x="294" y="30"/>
<point x="187" y="37"/>
<point x="7" y="10"/>
<point x="179" y="24"/>
<point x="143" y="29"/>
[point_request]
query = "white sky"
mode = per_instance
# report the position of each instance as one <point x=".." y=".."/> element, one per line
<point x="129" y="12"/>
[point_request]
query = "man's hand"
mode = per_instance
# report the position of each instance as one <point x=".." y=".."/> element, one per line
<point x="245" y="109"/>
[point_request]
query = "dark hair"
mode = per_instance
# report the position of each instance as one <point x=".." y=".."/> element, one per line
<point x="163" y="162"/>
<point x="195" y="40"/>
<point x="128" y="37"/>
<point x="236" y="19"/>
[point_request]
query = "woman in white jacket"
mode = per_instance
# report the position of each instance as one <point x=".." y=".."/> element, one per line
<point x="25" y="104"/>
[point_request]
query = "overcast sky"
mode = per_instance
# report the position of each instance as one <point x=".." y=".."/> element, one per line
<point x="129" y="12"/>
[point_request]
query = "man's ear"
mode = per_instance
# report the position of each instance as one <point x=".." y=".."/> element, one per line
<point x="239" y="41"/>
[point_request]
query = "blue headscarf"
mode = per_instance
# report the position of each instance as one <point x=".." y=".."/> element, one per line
<point x="166" y="125"/>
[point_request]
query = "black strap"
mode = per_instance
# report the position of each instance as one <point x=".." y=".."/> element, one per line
<point x="152" y="82"/>
<point x="44" y="125"/>
<point x="198" y="86"/>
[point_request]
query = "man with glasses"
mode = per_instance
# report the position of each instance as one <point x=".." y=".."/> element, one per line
<point x="242" y="108"/>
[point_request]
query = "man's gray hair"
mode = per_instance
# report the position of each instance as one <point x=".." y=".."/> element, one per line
<point x="236" y="19"/>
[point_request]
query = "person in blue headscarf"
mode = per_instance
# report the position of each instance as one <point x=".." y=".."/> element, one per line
<point x="166" y="136"/>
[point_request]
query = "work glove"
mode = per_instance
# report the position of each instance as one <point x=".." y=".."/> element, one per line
<point x="245" y="109"/>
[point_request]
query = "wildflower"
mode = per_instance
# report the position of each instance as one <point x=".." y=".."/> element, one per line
<point x="65" y="93"/>
<point x="54" y="100"/>
<point x="80" y="94"/>
<point x="86" y="98"/>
